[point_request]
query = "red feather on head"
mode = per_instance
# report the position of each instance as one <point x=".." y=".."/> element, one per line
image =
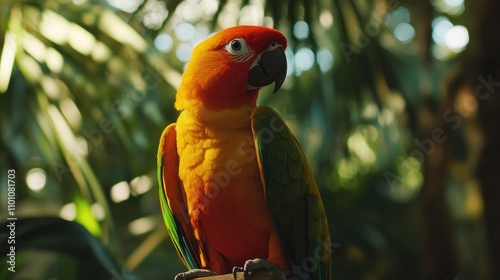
<point x="215" y="78"/>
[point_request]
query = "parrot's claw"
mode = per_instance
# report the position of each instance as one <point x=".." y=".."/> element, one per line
<point x="194" y="273"/>
<point x="252" y="266"/>
<point x="237" y="269"/>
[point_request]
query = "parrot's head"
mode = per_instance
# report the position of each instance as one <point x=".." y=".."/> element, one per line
<point x="228" y="69"/>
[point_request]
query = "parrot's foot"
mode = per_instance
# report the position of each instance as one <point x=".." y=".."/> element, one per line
<point x="194" y="273"/>
<point x="252" y="266"/>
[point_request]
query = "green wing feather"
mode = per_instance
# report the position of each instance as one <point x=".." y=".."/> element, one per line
<point x="293" y="198"/>
<point x="167" y="174"/>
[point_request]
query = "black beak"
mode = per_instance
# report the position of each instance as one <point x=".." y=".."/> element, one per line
<point x="269" y="68"/>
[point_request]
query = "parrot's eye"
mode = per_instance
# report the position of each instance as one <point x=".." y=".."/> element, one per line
<point x="237" y="46"/>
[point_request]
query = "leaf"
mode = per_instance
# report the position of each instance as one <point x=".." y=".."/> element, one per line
<point x="65" y="237"/>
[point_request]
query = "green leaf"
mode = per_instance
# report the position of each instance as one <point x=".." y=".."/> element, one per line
<point x="61" y="236"/>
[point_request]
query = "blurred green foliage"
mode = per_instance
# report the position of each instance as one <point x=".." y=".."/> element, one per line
<point x="88" y="86"/>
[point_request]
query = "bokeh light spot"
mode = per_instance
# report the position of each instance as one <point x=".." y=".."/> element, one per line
<point x="163" y="43"/>
<point x="398" y="16"/>
<point x="54" y="60"/>
<point x="68" y="211"/>
<point x="251" y="15"/>
<point x="404" y="32"/>
<point x="141" y="225"/>
<point x="209" y="7"/>
<point x="98" y="211"/>
<point x="120" y="192"/>
<point x="357" y="145"/>
<point x="347" y="169"/>
<point x="140" y="185"/>
<point x="457" y="38"/>
<point x="440" y="26"/>
<point x="304" y="60"/>
<point x="36" y="179"/>
<point x="128" y="6"/>
<point x="326" y="19"/>
<point x="184" y="31"/>
<point x="81" y="40"/>
<point x="190" y="11"/>
<point x="325" y="60"/>
<point x="301" y="30"/>
<point x="101" y="52"/>
<point x="154" y="14"/>
<point x="183" y="52"/>
<point x="454" y="2"/>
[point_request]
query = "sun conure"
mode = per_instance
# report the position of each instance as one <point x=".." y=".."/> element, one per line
<point x="235" y="187"/>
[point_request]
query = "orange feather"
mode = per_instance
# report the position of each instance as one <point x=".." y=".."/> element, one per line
<point x="217" y="178"/>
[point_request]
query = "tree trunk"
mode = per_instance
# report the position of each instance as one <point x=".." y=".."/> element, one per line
<point x="488" y="175"/>
<point x="439" y="250"/>
<point x="488" y="169"/>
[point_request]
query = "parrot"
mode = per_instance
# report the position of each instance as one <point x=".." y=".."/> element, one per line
<point x="236" y="191"/>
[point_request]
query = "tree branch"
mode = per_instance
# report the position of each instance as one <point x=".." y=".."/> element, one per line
<point x="261" y="274"/>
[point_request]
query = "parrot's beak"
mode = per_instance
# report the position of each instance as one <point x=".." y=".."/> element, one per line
<point x="269" y="67"/>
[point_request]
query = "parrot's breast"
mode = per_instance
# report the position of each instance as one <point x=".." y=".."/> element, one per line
<point x="220" y="173"/>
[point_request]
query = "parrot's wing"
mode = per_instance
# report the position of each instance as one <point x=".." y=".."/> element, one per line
<point x="293" y="198"/>
<point x="172" y="199"/>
